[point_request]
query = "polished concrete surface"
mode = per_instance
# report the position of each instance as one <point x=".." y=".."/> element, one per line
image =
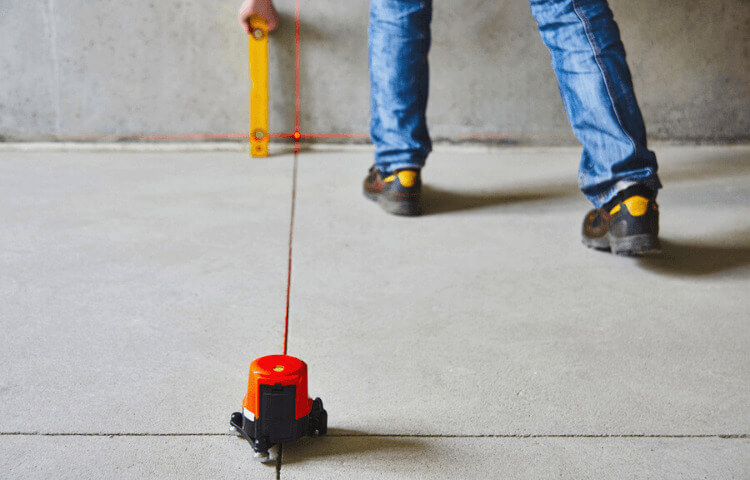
<point x="481" y="340"/>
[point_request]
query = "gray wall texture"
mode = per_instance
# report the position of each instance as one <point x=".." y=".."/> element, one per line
<point x="89" y="69"/>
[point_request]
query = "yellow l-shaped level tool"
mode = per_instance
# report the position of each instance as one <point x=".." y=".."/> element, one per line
<point x="258" y="58"/>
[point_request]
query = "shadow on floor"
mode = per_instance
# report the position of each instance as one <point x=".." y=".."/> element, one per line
<point x="702" y="257"/>
<point x="343" y="443"/>
<point x="721" y="163"/>
<point x="437" y="200"/>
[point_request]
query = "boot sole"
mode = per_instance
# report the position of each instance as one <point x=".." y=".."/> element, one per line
<point x="630" y="246"/>
<point x="408" y="208"/>
<point x="635" y="245"/>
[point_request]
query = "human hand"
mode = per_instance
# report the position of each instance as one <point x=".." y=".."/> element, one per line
<point x="263" y="8"/>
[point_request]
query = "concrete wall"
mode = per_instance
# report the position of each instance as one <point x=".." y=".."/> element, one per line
<point x="91" y="68"/>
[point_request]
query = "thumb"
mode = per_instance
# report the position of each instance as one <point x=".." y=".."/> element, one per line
<point x="272" y="18"/>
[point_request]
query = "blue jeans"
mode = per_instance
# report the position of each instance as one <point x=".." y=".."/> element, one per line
<point x="593" y="77"/>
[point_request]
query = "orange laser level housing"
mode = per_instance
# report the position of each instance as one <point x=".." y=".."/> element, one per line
<point x="278" y="370"/>
<point x="276" y="408"/>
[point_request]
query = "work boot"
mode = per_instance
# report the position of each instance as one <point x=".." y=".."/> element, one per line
<point x="627" y="225"/>
<point x="399" y="193"/>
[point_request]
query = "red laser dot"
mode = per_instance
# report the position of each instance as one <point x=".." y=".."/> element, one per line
<point x="297" y="135"/>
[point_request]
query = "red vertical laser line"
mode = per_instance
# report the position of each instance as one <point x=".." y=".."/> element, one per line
<point x="289" y="260"/>
<point x="296" y="137"/>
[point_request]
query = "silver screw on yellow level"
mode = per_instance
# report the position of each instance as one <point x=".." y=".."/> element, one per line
<point x="258" y="134"/>
<point x="258" y="33"/>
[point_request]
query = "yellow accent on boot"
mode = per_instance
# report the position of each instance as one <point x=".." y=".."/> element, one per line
<point x="408" y="178"/>
<point x="389" y="178"/>
<point x="636" y="205"/>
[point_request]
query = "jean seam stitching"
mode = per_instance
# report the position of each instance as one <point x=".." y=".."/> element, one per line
<point x="427" y="34"/>
<point x="587" y="30"/>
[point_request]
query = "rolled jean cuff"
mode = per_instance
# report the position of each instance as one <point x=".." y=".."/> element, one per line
<point x="399" y="162"/>
<point x="651" y="182"/>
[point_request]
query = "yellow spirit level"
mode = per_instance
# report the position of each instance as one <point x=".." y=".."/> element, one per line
<point x="258" y="59"/>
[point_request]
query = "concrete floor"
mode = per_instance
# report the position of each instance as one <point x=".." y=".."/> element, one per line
<point x="478" y="341"/>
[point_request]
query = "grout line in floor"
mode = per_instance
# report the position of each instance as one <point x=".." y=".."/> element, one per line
<point x="289" y="279"/>
<point x="278" y="462"/>
<point x="387" y="435"/>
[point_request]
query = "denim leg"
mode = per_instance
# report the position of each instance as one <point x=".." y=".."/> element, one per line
<point x="594" y="80"/>
<point x="399" y="40"/>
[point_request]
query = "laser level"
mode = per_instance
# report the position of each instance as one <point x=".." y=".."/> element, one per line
<point x="276" y="408"/>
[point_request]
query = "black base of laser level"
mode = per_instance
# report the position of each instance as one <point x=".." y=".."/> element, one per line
<point x="276" y="423"/>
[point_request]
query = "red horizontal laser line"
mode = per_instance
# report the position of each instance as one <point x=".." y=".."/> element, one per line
<point x="334" y="135"/>
<point x="303" y="136"/>
<point x="203" y="136"/>
<point x="318" y="135"/>
<point x="191" y="135"/>
<point x="209" y="136"/>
